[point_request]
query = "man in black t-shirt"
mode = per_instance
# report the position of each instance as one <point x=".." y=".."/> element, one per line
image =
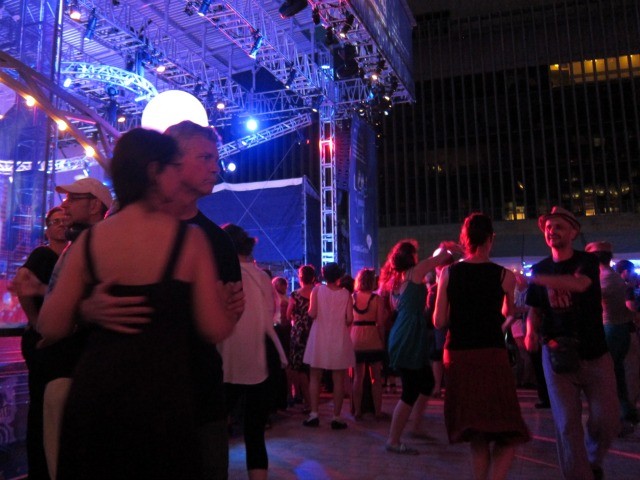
<point x="198" y="167"/>
<point x="565" y="302"/>
<point x="39" y="265"/>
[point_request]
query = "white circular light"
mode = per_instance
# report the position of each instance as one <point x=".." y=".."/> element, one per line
<point x="231" y="167"/>
<point x="171" y="107"/>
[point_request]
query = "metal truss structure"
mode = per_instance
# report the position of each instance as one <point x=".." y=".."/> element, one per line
<point x="265" y="135"/>
<point x="205" y="46"/>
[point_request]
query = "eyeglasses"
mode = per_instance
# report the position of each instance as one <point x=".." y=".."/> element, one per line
<point x="55" y="221"/>
<point x="78" y="196"/>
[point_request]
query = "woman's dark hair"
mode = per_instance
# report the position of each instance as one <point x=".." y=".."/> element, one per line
<point x="241" y="240"/>
<point x="132" y="155"/>
<point x="622" y="265"/>
<point x="332" y="272"/>
<point x="366" y="280"/>
<point x="50" y="214"/>
<point x="347" y="282"/>
<point x="400" y="259"/>
<point x="604" y="258"/>
<point x="476" y="230"/>
<point x="307" y="274"/>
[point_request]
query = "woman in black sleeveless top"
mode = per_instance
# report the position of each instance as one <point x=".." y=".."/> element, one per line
<point x="481" y="404"/>
<point x="130" y="410"/>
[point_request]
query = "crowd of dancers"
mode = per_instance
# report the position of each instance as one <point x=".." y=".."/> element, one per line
<point x="149" y="328"/>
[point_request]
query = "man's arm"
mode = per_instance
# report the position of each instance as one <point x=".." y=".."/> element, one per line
<point x="572" y="283"/>
<point x="534" y="320"/>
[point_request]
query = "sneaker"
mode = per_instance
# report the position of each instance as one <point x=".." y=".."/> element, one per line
<point x="311" y="422"/>
<point x="401" y="449"/>
<point x="338" y="425"/>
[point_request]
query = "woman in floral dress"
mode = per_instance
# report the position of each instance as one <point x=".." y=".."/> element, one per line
<point x="297" y="314"/>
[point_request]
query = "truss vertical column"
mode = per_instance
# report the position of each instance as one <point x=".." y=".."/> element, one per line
<point x="328" y="192"/>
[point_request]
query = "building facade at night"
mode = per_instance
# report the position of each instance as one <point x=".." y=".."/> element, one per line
<point x="516" y="111"/>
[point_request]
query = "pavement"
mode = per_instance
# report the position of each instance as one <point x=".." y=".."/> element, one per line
<point x="297" y="452"/>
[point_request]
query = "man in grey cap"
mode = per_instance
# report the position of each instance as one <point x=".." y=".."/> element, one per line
<point x="86" y="203"/>
<point x="565" y="301"/>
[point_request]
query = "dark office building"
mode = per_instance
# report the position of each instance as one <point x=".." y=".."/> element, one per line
<point x="517" y="111"/>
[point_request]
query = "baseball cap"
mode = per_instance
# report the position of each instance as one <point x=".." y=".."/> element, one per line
<point x="88" y="185"/>
<point x="599" y="247"/>
<point x="560" y="213"/>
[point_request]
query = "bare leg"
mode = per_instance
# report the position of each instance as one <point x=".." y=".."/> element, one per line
<point x="480" y="458"/>
<point x="418" y="414"/>
<point x="375" y="372"/>
<point x="338" y="391"/>
<point x="358" y="378"/>
<point x="314" y="389"/>
<point x="501" y="460"/>
<point x="258" y="474"/>
<point x="55" y="398"/>
<point x="400" y="416"/>
<point x="438" y="369"/>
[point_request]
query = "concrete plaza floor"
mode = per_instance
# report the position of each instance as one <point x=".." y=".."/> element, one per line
<point x="297" y="452"/>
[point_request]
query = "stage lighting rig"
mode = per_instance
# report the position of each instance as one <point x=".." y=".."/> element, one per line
<point x="290" y="78"/>
<point x="258" y="39"/>
<point x="204" y="7"/>
<point x="348" y="24"/>
<point x="91" y="25"/>
<point x="290" y="7"/>
<point x="74" y="10"/>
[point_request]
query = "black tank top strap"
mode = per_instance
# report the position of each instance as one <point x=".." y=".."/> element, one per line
<point x="175" y="252"/>
<point x="89" y="259"/>
<point x="366" y="309"/>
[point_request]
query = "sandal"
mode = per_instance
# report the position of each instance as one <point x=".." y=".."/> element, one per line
<point x="401" y="448"/>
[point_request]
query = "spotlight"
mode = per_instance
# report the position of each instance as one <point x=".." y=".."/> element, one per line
<point x="204" y="7"/>
<point x="348" y="23"/>
<point x="290" y="78"/>
<point x="29" y="100"/>
<point x="74" y="10"/>
<point x="161" y="68"/>
<point x="317" y="102"/>
<point x="290" y="7"/>
<point x="62" y="125"/>
<point x="91" y="25"/>
<point x="220" y="105"/>
<point x="231" y="167"/>
<point x="89" y="151"/>
<point x="257" y="43"/>
<point x="67" y="82"/>
<point x="112" y="91"/>
<point x="252" y="124"/>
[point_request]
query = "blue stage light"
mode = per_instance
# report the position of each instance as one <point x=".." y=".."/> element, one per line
<point x="252" y="124"/>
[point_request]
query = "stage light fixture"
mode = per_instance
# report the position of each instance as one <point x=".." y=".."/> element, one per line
<point x="231" y="167"/>
<point x="197" y="88"/>
<point x="204" y="7"/>
<point x="89" y="151"/>
<point x="252" y="124"/>
<point x="257" y="43"/>
<point x="189" y="9"/>
<point x="315" y="16"/>
<point x="91" y="25"/>
<point x="317" y="102"/>
<point x="67" y="82"/>
<point x="161" y="68"/>
<point x="62" y="125"/>
<point x="29" y="100"/>
<point x="290" y="78"/>
<point x="220" y="105"/>
<point x="348" y="24"/>
<point x="74" y="10"/>
<point x="290" y="7"/>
